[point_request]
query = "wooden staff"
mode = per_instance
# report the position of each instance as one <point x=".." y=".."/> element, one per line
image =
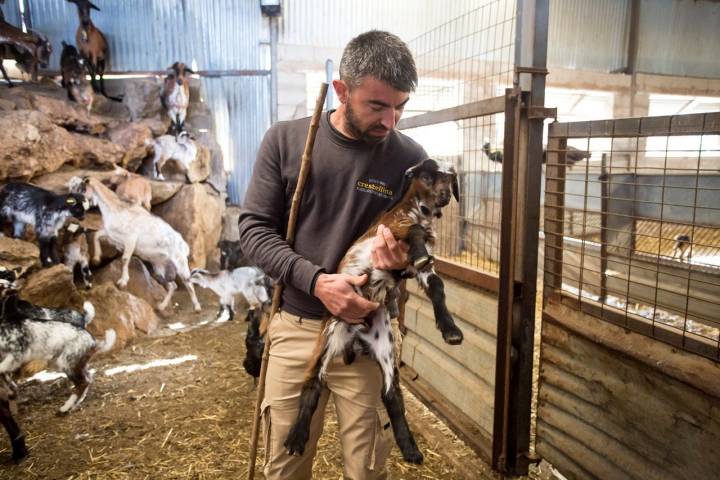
<point x="277" y="294"/>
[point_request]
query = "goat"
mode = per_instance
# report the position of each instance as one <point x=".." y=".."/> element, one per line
<point x="250" y="282"/>
<point x="74" y="250"/>
<point x="493" y="155"/>
<point x="175" y="96"/>
<point x="68" y="347"/>
<point x="8" y="394"/>
<point x="25" y="204"/>
<point x="254" y="343"/>
<point x="134" y="189"/>
<point x="428" y="187"/>
<point x="572" y="154"/>
<point x="93" y="46"/>
<point x="134" y="230"/>
<point x="29" y="50"/>
<point x="72" y="68"/>
<point x="231" y="255"/>
<point x="682" y="248"/>
<point x="181" y="148"/>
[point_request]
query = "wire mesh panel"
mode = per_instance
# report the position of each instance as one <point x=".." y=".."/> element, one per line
<point x="632" y="233"/>
<point x="461" y="63"/>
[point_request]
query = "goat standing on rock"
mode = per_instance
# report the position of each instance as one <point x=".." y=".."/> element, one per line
<point x="134" y="230"/>
<point x="28" y="49"/>
<point x="72" y="67"/>
<point x="429" y="187"/>
<point x="180" y="148"/>
<point x="175" y="96"/>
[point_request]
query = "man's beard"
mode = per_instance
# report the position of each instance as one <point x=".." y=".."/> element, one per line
<point x="353" y="126"/>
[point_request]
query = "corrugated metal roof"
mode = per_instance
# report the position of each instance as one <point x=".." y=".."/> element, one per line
<point x="587" y="34"/>
<point x="679" y="38"/>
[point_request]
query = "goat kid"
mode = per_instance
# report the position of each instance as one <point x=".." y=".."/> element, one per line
<point x="25" y="204"/>
<point x="231" y="255"/>
<point x="135" y="189"/>
<point x="682" y="248"/>
<point x="92" y="46"/>
<point x="72" y="68"/>
<point x="134" y="230"/>
<point x="250" y="282"/>
<point x="28" y="49"/>
<point x="74" y="250"/>
<point x="8" y="396"/>
<point x="429" y="187"/>
<point x="180" y="148"/>
<point x="175" y="96"/>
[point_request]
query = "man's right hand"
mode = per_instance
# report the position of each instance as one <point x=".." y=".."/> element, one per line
<point x="336" y="292"/>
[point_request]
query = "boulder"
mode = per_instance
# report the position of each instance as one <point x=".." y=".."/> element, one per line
<point x="51" y="287"/>
<point x="117" y="310"/>
<point x="70" y="115"/>
<point x="18" y="254"/>
<point x="230" y="231"/>
<point x="141" y="283"/>
<point x="142" y="98"/>
<point x="57" y="182"/>
<point x="155" y="124"/>
<point x="163" y="191"/>
<point x="133" y="138"/>
<point x="196" y="213"/>
<point x="33" y="145"/>
<point x="6" y="105"/>
<point x="198" y="171"/>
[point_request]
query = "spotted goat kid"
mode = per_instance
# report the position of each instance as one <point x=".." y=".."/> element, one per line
<point x="25" y="204"/>
<point x="428" y="188"/>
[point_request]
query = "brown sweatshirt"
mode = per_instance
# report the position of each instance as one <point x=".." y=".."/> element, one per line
<point x="349" y="185"/>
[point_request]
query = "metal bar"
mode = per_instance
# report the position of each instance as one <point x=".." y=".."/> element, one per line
<point x="273" y="68"/>
<point x="603" y="231"/>
<point x="690" y="124"/>
<point x="480" y="108"/>
<point x="201" y="73"/>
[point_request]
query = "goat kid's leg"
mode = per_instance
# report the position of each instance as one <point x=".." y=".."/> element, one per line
<point x="309" y="397"/>
<point x="17" y="439"/>
<point x="81" y="379"/>
<point x="86" y="274"/>
<point x="45" y="255"/>
<point x="393" y="401"/>
<point x="97" y="249"/>
<point x="128" y="249"/>
<point x="418" y="254"/>
<point x="5" y="75"/>
<point x="189" y="286"/>
<point x="434" y="288"/>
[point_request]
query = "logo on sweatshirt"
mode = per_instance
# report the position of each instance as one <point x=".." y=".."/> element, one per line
<point x="375" y="187"/>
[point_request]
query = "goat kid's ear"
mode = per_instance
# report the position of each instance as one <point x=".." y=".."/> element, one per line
<point x="456" y="188"/>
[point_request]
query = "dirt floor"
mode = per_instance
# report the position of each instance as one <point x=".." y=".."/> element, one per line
<point x="189" y="420"/>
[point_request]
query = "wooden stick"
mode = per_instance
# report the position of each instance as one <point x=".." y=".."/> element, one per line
<point x="277" y="294"/>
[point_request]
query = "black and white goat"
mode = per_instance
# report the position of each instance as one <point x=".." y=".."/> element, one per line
<point x="175" y="96"/>
<point x="250" y="282"/>
<point x="25" y="204"/>
<point x="72" y="68"/>
<point x="429" y="187"/>
<point x="181" y="148"/>
<point x="29" y="333"/>
<point x="74" y="250"/>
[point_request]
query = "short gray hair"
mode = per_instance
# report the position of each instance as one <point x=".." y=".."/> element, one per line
<point x="381" y="55"/>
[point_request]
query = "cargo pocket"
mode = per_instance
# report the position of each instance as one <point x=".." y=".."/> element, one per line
<point x="382" y="441"/>
<point x="267" y="424"/>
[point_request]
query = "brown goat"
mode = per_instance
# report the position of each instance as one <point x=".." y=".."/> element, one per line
<point x="411" y="219"/>
<point x="135" y="189"/>
<point x="92" y="46"/>
<point x="29" y="50"/>
<point x="175" y="96"/>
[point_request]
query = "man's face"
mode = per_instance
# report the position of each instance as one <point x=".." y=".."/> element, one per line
<point x="372" y="109"/>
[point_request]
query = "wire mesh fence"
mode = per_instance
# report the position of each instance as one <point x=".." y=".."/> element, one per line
<point x="462" y="63"/>
<point x="632" y="233"/>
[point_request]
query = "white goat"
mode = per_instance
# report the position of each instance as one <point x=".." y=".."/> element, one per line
<point x="250" y="282"/>
<point x="134" y="230"/>
<point x="166" y="147"/>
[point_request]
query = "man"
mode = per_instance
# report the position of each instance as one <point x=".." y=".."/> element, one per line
<point x="358" y="163"/>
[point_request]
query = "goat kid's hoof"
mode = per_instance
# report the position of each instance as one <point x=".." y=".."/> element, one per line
<point x="19" y="450"/>
<point x="453" y="337"/>
<point x="122" y="283"/>
<point x="413" y="456"/>
<point x="294" y="445"/>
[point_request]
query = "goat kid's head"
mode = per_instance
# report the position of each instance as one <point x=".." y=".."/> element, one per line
<point x="43" y="48"/>
<point x="434" y="183"/>
<point x="177" y="72"/>
<point x="198" y="277"/>
<point x="75" y="203"/>
<point x="8" y="277"/>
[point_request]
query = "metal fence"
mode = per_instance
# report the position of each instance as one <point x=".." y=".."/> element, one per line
<point x="464" y="66"/>
<point x="632" y="235"/>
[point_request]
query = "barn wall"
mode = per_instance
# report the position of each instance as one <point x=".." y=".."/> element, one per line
<point x="464" y="376"/>
<point x="616" y="404"/>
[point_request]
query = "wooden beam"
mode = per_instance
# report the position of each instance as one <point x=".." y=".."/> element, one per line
<point x="467" y="274"/>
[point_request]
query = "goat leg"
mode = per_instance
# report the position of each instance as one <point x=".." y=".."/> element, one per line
<point x="434" y="288"/>
<point x="17" y="439"/>
<point x="81" y="378"/>
<point x="193" y="297"/>
<point x="45" y="255"/>
<point x="97" y="249"/>
<point x="418" y="253"/>
<point x="5" y="75"/>
<point x="86" y="274"/>
<point x="309" y="397"/>
<point x="393" y="401"/>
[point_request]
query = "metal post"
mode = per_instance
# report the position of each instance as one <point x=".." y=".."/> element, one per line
<point x="273" y="69"/>
<point x="604" y="192"/>
<point x="328" y="80"/>
<point x="519" y="242"/>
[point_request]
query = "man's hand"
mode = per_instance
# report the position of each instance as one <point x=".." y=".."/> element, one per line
<point x="336" y="292"/>
<point x="388" y="253"/>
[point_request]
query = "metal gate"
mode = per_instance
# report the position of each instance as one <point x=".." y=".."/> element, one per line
<point x="480" y="104"/>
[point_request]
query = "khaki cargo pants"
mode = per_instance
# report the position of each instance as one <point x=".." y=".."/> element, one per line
<point x="365" y="431"/>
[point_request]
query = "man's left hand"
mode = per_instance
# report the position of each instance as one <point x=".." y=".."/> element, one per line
<point x="388" y="253"/>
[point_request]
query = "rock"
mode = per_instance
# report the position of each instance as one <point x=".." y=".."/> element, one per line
<point x="18" y="253"/>
<point x="33" y="145"/>
<point x="198" y="171"/>
<point x="163" y="191"/>
<point x="230" y="231"/>
<point x="132" y="137"/>
<point x="51" y="287"/>
<point x="57" y="182"/>
<point x="7" y="105"/>
<point x="142" y="98"/>
<point x="141" y="283"/>
<point x="155" y="124"/>
<point x="196" y="213"/>
<point x="70" y="115"/>
<point x="218" y="178"/>
<point x="120" y="311"/>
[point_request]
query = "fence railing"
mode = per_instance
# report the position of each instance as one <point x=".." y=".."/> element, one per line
<point x="632" y="233"/>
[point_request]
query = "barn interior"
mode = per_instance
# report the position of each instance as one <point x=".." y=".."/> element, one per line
<point x="582" y="260"/>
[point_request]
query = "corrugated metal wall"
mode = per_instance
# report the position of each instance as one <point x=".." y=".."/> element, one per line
<point x="11" y="10"/>
<point x="211" y="34"/>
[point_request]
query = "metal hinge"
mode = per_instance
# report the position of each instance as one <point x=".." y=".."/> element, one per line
<point x="542" y="112"/>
